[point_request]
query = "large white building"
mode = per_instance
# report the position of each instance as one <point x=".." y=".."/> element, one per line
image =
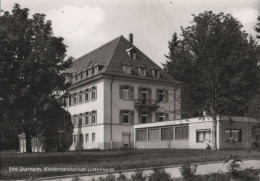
<point x="119" y="98"/>
<point x="113" y="88"/>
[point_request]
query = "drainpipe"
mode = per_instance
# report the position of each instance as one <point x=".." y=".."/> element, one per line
<point x="111" y="112"/>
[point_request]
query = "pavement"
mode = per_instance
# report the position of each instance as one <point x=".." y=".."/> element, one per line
<point x="174" y="171"/>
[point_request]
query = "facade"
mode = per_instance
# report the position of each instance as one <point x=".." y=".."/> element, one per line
<point x="194" y="133"/>
<point x="113" y="88"/>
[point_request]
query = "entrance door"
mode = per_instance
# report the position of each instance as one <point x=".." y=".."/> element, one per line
<point x="126" y="141"/>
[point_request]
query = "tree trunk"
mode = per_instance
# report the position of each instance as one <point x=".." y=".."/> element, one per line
<point x="28" y="142"/>
<point x="214" y="133"/>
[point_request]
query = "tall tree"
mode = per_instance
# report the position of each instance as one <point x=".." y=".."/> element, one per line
<point x="221" y="75"/>
<point x="257" y="27"/>
<point x="32" y="83"/>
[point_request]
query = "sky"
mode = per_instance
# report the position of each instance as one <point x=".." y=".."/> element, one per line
<point x="87" y="24"/>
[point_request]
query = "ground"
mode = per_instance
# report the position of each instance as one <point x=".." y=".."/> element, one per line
<point x="115" y="159"/>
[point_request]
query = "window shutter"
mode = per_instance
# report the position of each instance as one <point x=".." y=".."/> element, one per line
<point x="131" y="93"/>
<point x="156" y="117"/>
<point x="166" y="116"/>
<point x="132" y="117"/>
<point x="121" y="92"/>
<point x="166" y="95"/>
<point x="83" y="118"/>
<point x="139" y="93"/>
<point x="121" y="117"/>
<point x="96" y="92"/>
<point x="139" y="117"/>
<point x="149" y="93"/>
<point x="157" y="94"/>
<point x="149" y="116"/>
<point x="96" y="116"/>
<point x="90" y="118"/>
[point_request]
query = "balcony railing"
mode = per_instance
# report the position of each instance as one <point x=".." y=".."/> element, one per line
<point x="146" y="104"/>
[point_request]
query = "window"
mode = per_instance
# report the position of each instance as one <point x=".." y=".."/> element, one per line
<point x="86" y="138"/>
<point x="127" y="69"/>
<point x="74" y="138"/>
<point x="93" y="137"/>
<point x="154" y="134"/>
<point x="76" y="77"/>
<point x="86" y="94"/>
<point x="80" y="97"/>
<point x="86" y="118"/>
<point x="126" y="93"/>
<point x="144" y="117"/>
<point x="94" y="93"/>
<point x="80" y="138"/>
<point x="86" y="73"/>
<point x="75" y="98"/>
<point x="233" y="135"/>
<point x="156" y="73"/>
<point x="203" y="135"/>
<point x="161" y="95"/>
<point x="126" y="117"/>
<point x="181" y="132"/>
<point x="141" y="135"/>
<point x="81" y="75"/>
<point x="166" y="134"/>
<point x="142" y="71"/>
<point x="94" y="117"/>
<point x="80" y="120"/>
<point x="75" y="121"/>
<point x="161" y="117"/>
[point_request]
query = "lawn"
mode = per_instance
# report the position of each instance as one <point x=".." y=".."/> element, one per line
<point x="116" y="159"/>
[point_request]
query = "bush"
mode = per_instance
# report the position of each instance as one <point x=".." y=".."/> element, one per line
<point x="159" y="175"/>
<point x="138" y="176"/>
<point x="188" y="171"/>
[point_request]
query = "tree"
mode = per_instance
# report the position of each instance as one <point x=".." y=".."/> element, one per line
<point x="217" y="64"/>
<point x="32" y="83"/>
<point x="257" y="27"/>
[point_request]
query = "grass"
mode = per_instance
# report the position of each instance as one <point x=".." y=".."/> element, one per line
<point x="116" y="159"/>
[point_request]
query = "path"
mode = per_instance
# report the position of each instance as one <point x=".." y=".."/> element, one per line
<point x="174" y="171"/>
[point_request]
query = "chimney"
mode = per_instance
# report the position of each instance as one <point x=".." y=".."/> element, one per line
<point x="131" y="38"/>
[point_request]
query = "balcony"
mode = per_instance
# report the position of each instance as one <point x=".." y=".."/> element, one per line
<point x="141" y="104"/>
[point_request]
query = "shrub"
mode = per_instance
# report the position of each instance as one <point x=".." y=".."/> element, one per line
<point x="188" y="171"/>
<point x="233" y="165"/>
<point x="159" y="175"/>
<point x="109" y="177"/>
<point x="138" y="176"/>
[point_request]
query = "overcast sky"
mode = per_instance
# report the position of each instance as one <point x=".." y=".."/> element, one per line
<point x="87" y="24"/>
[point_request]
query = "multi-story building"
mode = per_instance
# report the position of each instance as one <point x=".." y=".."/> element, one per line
<point x="113" y="88"/>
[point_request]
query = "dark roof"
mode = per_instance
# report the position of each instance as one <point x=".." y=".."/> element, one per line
<point x="113" y="55"/>
<point x="237" y="119"/>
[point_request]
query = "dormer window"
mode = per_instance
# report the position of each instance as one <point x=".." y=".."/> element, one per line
<point x="97" y="68"/>
<point x="127" y="67"/>
<point x="132" y="53"/>
<point x="156" y="72"/>
<point x="142" y="72"/>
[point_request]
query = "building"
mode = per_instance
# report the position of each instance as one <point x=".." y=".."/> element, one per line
<point x="113" y="88"/>
<point x="195" y="133"/>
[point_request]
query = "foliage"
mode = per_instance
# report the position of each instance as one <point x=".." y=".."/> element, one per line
<point x="32" y="83"/>
<point x="257" y="27"/>
<point x="217" y="62"/>
<point x="138" y="176"/>
<point x="188" y="171"/>
<point x="233" y="165"/>
<point x="159" y="175"/>
<point x="116" y="159"/>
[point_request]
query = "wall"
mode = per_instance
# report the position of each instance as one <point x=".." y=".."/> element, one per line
<point x="97" y="105"/>
<point x="235" y="125"/>
<point x="193" y="127"/>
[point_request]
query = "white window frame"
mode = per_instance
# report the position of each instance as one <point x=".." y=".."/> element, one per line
<point x="161" y="115"/>
<point x="127" y="69"/>
<point x="142" y="71"/>
<point x="204" y="135"/>
<point x="126" y="113"/>
<point x="94" y="93"/>
<point x="126" y="91"/>
<point x="144" y="114"/>
<point x="94" y="117"/>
